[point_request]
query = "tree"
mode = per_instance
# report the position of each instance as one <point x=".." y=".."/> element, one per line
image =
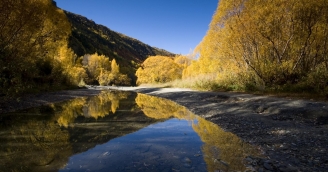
<point x="95" y="64"/>
<point x="272" y="43"/>
<point x="158" y="69"/>
<point x="30" y="33"/>
<point x="115" y="69"/>
<point x="74" y="73"/>
<point x="103" y="71"/>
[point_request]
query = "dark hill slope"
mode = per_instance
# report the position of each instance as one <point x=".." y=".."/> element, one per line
<point x="88" y="37"/>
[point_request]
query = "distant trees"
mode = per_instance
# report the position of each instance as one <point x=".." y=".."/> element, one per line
<point x="72" y="69"/>
<point x="103" y="71"/>
<point x="161" y="69"/>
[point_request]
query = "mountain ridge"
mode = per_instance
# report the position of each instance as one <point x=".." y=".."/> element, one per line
<point x="89" y="37"/>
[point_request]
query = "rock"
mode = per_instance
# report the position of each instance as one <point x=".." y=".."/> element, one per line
<point x="267" y="166"/>
<point x="248" y="159"/>
<point x="186" y="160"/>
<point x="288" y="169"/>
<point x="187" y="165"/>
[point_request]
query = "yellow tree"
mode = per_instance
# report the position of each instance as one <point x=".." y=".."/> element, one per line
<point x="75" y="74"/>
<point x="158" y="69"/>
<point x="115" y="69"/>
<point x="268" y="42"/>
<point x="95" y="64"/>
<point x="103" y="71"/>
<point x="113" y="77"/>
<point x="30" y="32"/>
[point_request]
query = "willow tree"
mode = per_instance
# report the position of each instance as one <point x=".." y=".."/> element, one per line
<point x="72" y="69"/>
<point x="103" y="71"/>
<point x="114" y="76"/>
<point x="159" y="69"/>
<point x="275" y="42"/>
<point x="95" y="64"/>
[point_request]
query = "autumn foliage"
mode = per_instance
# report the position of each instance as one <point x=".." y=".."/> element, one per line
<point x="257" y="44"/>
<point x="161" y="69"/>
<point x="34" y="52"/>
<point x="31" y="31"/>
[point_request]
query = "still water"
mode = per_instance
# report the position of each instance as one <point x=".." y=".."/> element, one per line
<point x="117" y="131"/>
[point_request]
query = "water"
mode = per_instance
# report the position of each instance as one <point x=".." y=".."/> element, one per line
<point x="117" y="131"/>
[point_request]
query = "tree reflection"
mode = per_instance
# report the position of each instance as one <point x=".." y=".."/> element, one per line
<point x="222" y="150"/>
<point x="104" y="104"/>
<point x="159" y="108"/>
<point x="42" y="139"/>
<point x="32" y="141"/>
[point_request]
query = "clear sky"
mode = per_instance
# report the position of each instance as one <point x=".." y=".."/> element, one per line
<point x="174" y="25"/>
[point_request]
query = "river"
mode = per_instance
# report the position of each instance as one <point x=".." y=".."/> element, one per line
<point x="117" y="131"/>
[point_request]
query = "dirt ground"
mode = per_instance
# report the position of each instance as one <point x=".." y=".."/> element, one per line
<point x="291" y="133"/>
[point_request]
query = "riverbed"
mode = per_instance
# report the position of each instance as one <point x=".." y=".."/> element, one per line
<point x="290" y="134"/>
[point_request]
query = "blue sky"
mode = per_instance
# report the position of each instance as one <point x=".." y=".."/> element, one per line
<point x="174" y="25"/>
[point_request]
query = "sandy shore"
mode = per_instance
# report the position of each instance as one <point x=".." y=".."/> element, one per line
<point x="292" y="133"/>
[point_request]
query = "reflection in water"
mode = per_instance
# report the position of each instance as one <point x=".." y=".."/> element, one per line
<point x="116" y="131"/>
<point x="221" y="150"/>
<point x="34" y="140"/>
<point x="159" y="108"/>
<point x="94" y="107"/>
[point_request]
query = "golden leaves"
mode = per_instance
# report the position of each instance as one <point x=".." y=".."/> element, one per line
<point x="278" y="41"/>
<point x="159" y="69"/>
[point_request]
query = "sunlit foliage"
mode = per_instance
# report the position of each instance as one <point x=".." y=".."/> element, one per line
<point x="73" y="71"/>
<point x="159" y="69"/>
<point x="259" y="44"/>
<point x="103" y="71"/>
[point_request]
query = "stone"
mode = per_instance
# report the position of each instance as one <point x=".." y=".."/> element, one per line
<point x="267" y="166"/>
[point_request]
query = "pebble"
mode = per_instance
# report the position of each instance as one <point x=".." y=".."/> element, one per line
<point x="186" y="160"/>
<point x="288" y="169"/>
<point x="268" y="166"/>
<point x="187" y="165"/>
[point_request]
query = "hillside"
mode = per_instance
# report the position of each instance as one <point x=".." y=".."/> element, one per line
<point x="88" y="37"/>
